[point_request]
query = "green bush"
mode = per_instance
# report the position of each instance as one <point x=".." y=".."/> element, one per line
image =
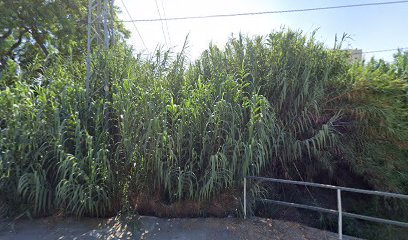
<point x="282" y="105"/>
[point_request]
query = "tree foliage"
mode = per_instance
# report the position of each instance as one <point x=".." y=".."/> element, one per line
<point x="32" y="31"/>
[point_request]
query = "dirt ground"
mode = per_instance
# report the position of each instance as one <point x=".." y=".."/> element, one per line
<point x="143" y="227"/>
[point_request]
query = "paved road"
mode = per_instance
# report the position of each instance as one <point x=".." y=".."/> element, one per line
<point x="161" y="229"/>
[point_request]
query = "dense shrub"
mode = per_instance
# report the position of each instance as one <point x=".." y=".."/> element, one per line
<point x="282" y="105"/>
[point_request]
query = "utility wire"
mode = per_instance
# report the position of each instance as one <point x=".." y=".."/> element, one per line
<point x="161" y="21"/>
<point x="386" y="50"/>
<point x="134" y="25"/>
<point x="266" y="12"/>
<point x="167" y="27"/>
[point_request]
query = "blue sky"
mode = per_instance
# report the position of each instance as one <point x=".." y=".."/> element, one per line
<point x="370" y="28"/>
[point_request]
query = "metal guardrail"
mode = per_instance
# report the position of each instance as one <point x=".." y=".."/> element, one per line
<point x="339" y="210"/>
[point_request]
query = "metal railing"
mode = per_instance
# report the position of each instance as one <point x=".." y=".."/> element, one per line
<point x="339" y="210"/>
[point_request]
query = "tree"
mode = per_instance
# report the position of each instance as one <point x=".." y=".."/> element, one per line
<point x="35" y="29"/>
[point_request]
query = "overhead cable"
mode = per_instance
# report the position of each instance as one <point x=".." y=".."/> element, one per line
<point x="265" y="12"/>
<point x="386" y="50"/>
<point x="161" y="21"/>
<point x="167" y="27"/>
<point x="134" y="25"/>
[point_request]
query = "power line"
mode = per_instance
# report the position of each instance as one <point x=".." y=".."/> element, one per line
<point x="167" y="27"/>
<point x="266" y="12"/>
<point x="134" y="25"/>
<point x="161" y="21"/>
<point x="386" y="50"/>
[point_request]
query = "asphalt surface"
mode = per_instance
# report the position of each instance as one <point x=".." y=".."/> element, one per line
<point x="144" y="227"/>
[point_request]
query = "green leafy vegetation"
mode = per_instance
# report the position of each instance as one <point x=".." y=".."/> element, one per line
<point x="33" y="32"/>
<point x="282" y="105"/>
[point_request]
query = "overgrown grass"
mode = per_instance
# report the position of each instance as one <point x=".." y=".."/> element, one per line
<point x="282" y="105"/>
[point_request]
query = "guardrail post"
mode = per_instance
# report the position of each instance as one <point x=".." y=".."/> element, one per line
<point x="340" y="222"/>
<point x="245" y="197"/>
